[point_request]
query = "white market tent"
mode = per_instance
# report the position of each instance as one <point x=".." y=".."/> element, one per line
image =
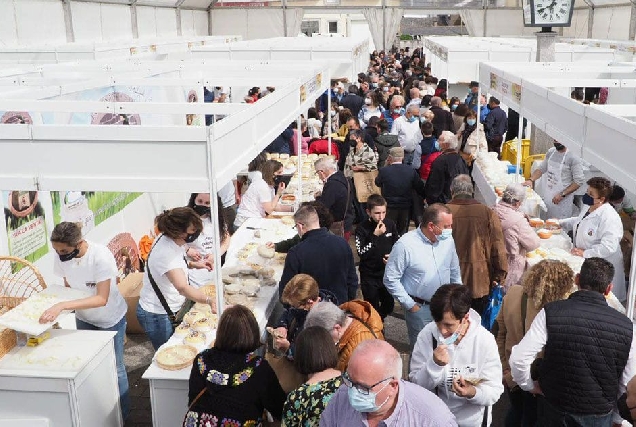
<point x="457" y="58"/>
<point x="346" y="56"/>
<point x="603" y="135"/>
<point x="155" y="47"/>
<point x="150" y="158"/>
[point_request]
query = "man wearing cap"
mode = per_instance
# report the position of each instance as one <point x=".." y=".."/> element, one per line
<point x="472" y="100"/>
<point x="397" y="182"/>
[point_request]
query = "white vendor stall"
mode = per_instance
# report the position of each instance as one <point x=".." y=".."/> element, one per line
<point x="166" y="155"/>
<point x="346" y="56"/>
<point x="68" y="380"/>
<point x="603" y="135"/>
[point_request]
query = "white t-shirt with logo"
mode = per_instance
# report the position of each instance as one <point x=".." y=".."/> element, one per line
<point x="205" y="245"/>
<point x="165" y="255"/>
<point x="97" y="265"/>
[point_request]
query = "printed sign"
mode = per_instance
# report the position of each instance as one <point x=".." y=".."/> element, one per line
<point x="26" y="227"/>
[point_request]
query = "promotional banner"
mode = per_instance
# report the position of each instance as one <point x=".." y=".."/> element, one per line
<point x="26" y="226"/>
<point x="88" y="208"/>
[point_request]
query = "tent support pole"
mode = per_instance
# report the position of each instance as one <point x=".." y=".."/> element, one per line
<point x="68" y="21"/>
<point x="214" y="210"/>
<point x="632" y="21"/>
<point x="328" y="116"/>
<point x="133" y="19"/>
<point x="284" y="9"/>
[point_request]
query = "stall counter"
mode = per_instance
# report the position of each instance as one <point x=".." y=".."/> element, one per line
<point x="68" y="380"/>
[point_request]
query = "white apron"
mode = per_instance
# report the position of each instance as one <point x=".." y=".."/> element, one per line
<point x="205" y="245"/>
<point x="552" y="185"/>
<point x="589" y="232"/>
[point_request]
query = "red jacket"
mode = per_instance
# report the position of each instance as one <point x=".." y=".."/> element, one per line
<point x="320" y="146"/>
<point x="427" y="161"/>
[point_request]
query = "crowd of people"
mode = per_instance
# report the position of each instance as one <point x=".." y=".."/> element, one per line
<point x="559" y="352"/>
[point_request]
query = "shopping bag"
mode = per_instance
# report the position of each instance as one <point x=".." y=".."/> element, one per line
<point x="494" y="305"/>
<point x="364" y="183"/>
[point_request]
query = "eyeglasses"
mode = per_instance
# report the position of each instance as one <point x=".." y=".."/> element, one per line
<point x="363" y="389"/>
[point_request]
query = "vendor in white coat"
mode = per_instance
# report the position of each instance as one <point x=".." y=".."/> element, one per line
<point x="562" y="173"/>
<point x="458" y="358"/>
<point x="202" y="249"/>
<point x="598" y="230"/>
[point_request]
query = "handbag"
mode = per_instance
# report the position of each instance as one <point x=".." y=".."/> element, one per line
<point x="175" y="318"/>
<point x="494" y="305"/>
<point x="364" y="183"/>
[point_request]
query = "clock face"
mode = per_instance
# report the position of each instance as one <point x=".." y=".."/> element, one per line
<point x="552" y="12"/>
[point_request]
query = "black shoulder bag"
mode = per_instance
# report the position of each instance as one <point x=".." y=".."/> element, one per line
<point x="175" y="319"/>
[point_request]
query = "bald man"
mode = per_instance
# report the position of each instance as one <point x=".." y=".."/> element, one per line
<point x="373" y="393"/>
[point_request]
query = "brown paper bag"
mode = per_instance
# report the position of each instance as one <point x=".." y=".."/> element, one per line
<point x="365" y="185"/>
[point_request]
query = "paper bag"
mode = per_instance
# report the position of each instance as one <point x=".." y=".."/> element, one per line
<point x="364" y="183"/>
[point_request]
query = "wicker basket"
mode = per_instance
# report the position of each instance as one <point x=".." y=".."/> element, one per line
<point x="19" y="279"/>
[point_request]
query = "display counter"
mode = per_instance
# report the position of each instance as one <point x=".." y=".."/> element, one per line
<point x="169" y="389"/>
<point x="68" y="380"/>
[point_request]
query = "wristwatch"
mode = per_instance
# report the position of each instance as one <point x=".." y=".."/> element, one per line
<point x="563" y="195"/>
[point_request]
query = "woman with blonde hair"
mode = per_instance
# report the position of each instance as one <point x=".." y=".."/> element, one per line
<point x="545" y="282"/>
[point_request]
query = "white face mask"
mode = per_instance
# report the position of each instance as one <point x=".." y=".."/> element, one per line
<point x="367" y="101"/>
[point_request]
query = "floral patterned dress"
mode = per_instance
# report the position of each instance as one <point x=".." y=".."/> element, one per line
<point x="238" y="387"/>
<point x="304" y="405"/>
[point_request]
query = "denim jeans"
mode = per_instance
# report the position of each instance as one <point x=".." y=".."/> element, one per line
<point x="157" y="327"/>
<point x="122" y="376"/>
<point x="550" y="416"/>
<point x="415" y="322"/>
<point x="523" y="409"/>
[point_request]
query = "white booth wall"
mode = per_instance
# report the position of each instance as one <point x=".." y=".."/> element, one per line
<point x="29" y="22"/>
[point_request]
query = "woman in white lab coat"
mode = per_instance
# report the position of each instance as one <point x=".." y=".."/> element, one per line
<point x="598" y="230"/>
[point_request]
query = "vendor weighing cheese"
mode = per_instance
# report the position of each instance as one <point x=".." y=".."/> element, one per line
<point x="91" y="267"/>
<point x="563" y="175"/>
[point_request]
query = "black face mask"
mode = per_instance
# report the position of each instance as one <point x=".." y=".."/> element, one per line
<point x="69" y="256"/>
<point x="201" y="210"/>
<point x="353" y="142"/>
<point x="558" y="146"/>
<point x="192" y="237"/>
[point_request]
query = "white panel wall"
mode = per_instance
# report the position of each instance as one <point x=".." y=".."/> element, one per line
<point x="166" y="19"/>
<point x="146" y="22"/>
<point x="116" y="22"/>
<point x="579" y="24"/>
<point x="87" y="21"/>
<point x="39" y="21"/>
<point x="187" y="23"/>
<point x="201" y="23"/>
<point x="249" y="23"/>
<point x="8" y="30"/>
<point x="611" y="23"/>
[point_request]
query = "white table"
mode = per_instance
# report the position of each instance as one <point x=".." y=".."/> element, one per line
<point x="169" y="389"/>
<point x="68" y="380"/>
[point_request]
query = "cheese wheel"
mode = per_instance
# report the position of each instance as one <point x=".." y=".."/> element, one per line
<point x="266" y="252"/>
<point x="544" y="234"/>
<point x="182" y="330"/>
<point x="536" y="222"/>
<point x="175" y="357"/>
<point x="194" y="337"/>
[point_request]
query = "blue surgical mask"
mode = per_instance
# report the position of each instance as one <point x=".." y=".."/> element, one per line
<point x="450" y="340"/>
<point x="436" y="145"/>
<point x="588" y="200"/>
<point x="471" y="122"/>
<point x="454" y="107"/>
<point x="412" y="119"/>
<point x="365" y="402"/>
<point x="423" y="119"/>
<point x="446" y="233"/>
<point x="397" y="111"/>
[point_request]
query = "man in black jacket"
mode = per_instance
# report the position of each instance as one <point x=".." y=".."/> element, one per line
<point x="496" y="125"/>
<point x="443" y="119"/>
<point x="325" y="257"/>
<point x="375" y="238"/>
<point x="588" y="354"/>
<point x="352" y="101"/>
<point x="444" y="169"/>
<point x="397" y="182"/>
<point x="335" y="193"/>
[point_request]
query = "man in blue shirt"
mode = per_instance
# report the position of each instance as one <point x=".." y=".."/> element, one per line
<point x="421" y="261"/>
